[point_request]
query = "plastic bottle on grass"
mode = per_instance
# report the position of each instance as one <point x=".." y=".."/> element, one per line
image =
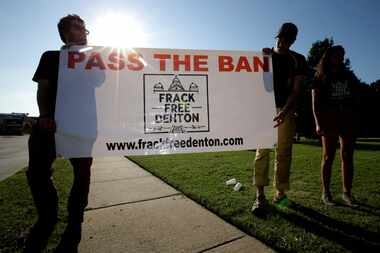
<point x="237" y="186"/>
<point x="232" y="181"/>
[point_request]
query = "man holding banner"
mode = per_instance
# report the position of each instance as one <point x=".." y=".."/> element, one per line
<point x="289" y="71"/>
<point x="42" y="153"/>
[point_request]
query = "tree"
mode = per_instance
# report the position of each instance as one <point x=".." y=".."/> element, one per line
<point x="370" y="104"/>
<point x="376" y="86"/>
<point x="317" y="50"/>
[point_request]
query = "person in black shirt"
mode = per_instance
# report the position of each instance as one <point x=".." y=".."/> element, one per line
<point x="42" y="153"/>
<point x="335" y="101"/>
<point x="289" y="71"/>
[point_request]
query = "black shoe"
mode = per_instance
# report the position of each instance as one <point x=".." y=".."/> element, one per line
<point x="70" y="239"/>
<point x="260" y="206"/>
<point x="38" y="236"/>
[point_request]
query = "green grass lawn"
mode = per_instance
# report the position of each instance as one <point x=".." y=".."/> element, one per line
<point x="17" y="212"/>
<point x="304" y="226"/>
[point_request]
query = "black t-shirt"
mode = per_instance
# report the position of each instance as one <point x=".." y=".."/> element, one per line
<point x="285" y="68"/>
<point x="338" y="92"/>
<point x="48" y="70"/>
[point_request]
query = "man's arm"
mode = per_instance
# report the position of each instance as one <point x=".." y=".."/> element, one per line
<point x="44" y="93"/>
<point x="294" y="96"/>
<point x="292" y="100"/>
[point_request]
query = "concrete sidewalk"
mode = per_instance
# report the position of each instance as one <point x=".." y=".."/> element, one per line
<point x="130" y="210"/>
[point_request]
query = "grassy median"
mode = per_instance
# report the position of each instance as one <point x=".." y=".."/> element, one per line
<point x="17" y="212"/>
<point x="305" y="225"/>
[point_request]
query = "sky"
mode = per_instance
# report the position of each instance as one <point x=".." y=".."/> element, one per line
<point x="28" y="28"/>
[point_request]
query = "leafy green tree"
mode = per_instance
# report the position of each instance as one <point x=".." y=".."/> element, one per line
<point x="376" y="86"/>
<point x="318" y="48"/>
<point x="370" y="104"/>
<point x="316" y="51"/>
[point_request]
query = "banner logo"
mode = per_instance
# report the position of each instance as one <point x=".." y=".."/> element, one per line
<point x="176" y="103"/>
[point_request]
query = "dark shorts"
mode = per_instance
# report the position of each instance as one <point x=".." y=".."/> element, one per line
<point x="338" y="123"/>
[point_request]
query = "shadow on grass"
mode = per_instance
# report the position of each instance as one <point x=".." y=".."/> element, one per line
<point x="368" y="206"/>
<point x="351" y="237"/>
<point x="369" y="140"/>
<point x="365" y="146"/>
<point x="366" y="209"/>
<point x="358" y="146"/>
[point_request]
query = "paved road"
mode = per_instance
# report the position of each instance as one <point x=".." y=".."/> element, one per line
<point x="13" y="154"/>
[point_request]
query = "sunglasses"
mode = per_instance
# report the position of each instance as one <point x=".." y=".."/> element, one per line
<point x="79" y="27"/>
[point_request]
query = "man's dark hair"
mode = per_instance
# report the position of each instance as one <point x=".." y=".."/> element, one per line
<point x="288" y="31"/>
<point x="65" y="23"/>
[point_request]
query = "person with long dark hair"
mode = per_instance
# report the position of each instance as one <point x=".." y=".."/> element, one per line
<point x="334" y="101"/>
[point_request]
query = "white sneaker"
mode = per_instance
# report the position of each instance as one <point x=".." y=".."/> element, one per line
<point x="327" y="199"/>
<point x="348" y="199"/>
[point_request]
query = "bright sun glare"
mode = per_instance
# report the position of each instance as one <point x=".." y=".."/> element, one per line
<point x="118" y="30"/>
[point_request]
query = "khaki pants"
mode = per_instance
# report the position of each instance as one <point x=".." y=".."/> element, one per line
<point x="283" y="157"/>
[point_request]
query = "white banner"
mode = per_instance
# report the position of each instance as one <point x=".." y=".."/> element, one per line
<point x="159" y="101"/>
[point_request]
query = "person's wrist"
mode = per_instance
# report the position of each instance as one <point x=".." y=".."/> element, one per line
<point x="267" y="51"/>
<point x="284" y="112"/>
